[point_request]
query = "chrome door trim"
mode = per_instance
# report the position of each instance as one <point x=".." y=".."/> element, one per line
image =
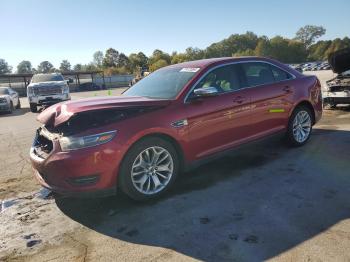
<point x="233" y="63"/>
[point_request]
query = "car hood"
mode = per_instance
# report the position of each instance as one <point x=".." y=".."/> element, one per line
<point x="7" y="97"/>
<point x="62" y="112"/>
<point x="49" y="83"/>
<point x="340" y="60"/>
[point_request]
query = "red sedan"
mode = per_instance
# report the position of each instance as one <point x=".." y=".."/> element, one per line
<point x="172" y="119"/>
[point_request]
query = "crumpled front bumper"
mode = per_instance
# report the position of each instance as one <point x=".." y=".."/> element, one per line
<point x="78" y="172"/>
<point x="341" y="97"/>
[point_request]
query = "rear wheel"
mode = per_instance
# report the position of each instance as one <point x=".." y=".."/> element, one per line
<point x="299" y="126"/>
<point x="11" y="108"/>
<point x="148" y="169"/>
<point x="18" y="104"/>
<point x="33" y="108"/>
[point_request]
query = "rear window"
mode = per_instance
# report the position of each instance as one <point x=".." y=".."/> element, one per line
<point x="47" y="78"/>
<point x="262" y="73"/>
<point x="257" y="74"/>
<point x="279" y="74"/>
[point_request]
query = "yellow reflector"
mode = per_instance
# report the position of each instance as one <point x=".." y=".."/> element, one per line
<point x="276" y="110"/>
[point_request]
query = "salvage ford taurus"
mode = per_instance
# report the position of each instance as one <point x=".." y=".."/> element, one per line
<point x="177" y="116"/>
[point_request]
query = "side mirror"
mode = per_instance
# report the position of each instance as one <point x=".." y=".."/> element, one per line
<point x="206" y="91"/>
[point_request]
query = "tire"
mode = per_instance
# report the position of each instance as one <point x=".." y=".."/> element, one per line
<point x="333" y="106"/>
<point x="131" y="185"/>
<point x="19" y="104"/>
<point x="33" y="108"/>
<point x="306" y="117"/>
<point x="11" y="108"/>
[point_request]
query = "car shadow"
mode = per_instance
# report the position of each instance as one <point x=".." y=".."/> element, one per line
<point x="15" y="112"/>
<point x="252" y="205"/>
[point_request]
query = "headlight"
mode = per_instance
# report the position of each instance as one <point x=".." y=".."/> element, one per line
<point x="30" y="90"/>
<point x="73" y="143"/>
<point x="65" y="89"/>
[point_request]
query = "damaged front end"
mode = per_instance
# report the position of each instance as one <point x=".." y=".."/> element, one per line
<point x="338" y="88"/>
<point x="67" y="134"/>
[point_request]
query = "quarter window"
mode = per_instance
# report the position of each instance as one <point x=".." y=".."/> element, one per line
<point x="225" y="79"/>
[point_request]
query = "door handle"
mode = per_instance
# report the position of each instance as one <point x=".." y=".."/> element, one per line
<point x="238" y="100"/>
<point x="287" y="89"/>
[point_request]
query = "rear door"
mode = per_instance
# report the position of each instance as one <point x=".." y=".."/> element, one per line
<point x="271" y="97"/>
<point x="217" y="123"/>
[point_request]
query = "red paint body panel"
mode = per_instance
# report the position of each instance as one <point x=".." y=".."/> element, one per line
<point x="214" y="124"/>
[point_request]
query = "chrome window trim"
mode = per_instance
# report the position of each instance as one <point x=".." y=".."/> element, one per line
<point x="233" y="63"/>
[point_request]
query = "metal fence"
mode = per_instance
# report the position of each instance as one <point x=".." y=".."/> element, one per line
<point x="115" y="81"/>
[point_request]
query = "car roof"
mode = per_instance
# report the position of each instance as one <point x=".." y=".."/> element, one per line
<point x="211" y="61"/>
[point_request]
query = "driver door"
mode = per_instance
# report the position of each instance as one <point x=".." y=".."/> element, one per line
<point x="218" y="122"/>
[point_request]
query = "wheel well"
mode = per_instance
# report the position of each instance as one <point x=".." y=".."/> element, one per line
<point x="309" y="106"/>
<point x="171" y="140"/>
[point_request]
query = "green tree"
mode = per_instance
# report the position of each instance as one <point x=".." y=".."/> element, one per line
<point x="111" y="58"/>
<point x="45" y="67"/>
<point x="194" y="53"/>
<point x="309" y="33"/>
<point x="178" y="58"/>
<point x="158" y="64"/>
<point x="78" y="67"/>
<point x="4" y="67"/>
<point x="98" y="58"/>
<point x="65" y="66"/>
<point x="159" y="55"/>
<point x="123" y="61"/>
<point x="24" y="67"/>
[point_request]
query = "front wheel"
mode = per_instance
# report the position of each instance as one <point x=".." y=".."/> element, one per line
<point x="33" y="108"/>
<point x="148" y="169"/>
<point x="299" y="126"/>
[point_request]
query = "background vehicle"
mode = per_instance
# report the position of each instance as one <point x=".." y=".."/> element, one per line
<point x="47" y="89"/>
<point x="9" y="99"/>
<point x="177" y="117"/>
<point x="89" y="86"/>
<point x="338" y="88"/>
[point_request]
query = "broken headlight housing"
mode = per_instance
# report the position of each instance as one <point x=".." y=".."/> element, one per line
<point x="73" y="142"/>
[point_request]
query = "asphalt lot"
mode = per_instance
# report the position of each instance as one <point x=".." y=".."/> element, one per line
<point x="263" y="202"/>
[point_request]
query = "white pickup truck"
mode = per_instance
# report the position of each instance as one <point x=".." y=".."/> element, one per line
<point x="47" y="89"/>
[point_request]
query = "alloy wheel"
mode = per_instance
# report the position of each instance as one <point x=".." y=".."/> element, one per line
<point x="152" y="170"/>
<point x="301" y="126"/>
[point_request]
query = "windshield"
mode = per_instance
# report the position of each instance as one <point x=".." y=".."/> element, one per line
<point x="164" y="83"/>
<point x="346" y="73"/>
<point x="46" y="78"/>
<point x="4" y="91"/>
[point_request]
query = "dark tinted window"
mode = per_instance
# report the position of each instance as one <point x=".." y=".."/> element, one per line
<point x="279" y="74"/>
<point x="47" y="78"/>
<point x="225" y="79"/>
<point x="4" y="91"/>
<point x="257" y="74"/>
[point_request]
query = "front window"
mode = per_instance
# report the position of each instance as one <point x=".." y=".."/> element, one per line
<point x="164" y="83"/>
<point x="47" y="78"/>
<point x="224" y="79"/>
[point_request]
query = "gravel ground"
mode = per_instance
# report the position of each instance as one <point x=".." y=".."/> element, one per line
<point x="263" y="202"/>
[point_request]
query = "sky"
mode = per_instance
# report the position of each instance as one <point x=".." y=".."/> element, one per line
<point x="38" y="30"/>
